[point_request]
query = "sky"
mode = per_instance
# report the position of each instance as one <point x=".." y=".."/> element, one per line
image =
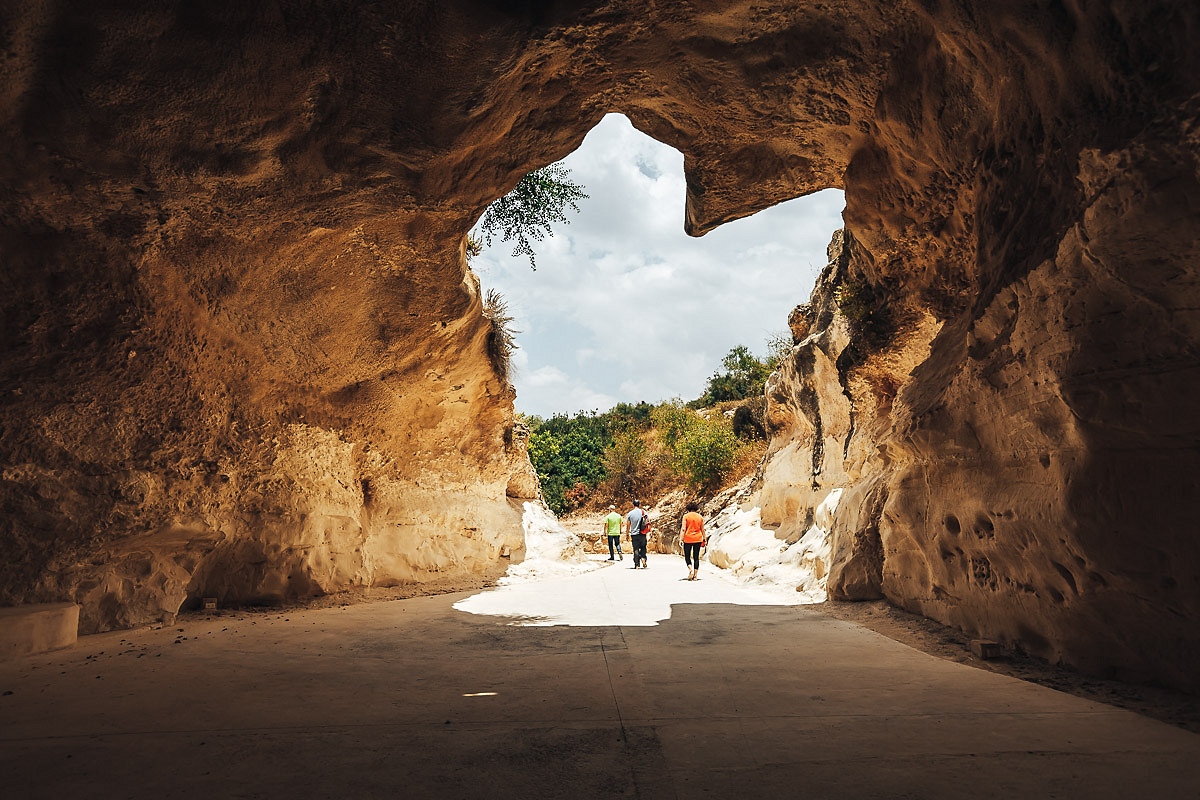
<point x="624" y="306"/>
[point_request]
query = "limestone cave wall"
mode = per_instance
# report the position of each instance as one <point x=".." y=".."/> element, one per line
<point x="242" y="355"/>
<point x="1004" y="386"/>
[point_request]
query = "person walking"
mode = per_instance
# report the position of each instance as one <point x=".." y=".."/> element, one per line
<point x="637" y="523"/>
<point x="691" y="533"/>
<point x="612" y="529"/>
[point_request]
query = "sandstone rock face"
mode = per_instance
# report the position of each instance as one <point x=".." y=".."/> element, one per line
<point x="241" y="353"/>
<point x="1013" y="410"/>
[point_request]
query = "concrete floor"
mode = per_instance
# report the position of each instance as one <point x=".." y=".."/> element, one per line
<point x="720" y="701"/>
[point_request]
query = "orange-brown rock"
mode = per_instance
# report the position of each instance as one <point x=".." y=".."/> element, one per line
<point x="241" y="353"/>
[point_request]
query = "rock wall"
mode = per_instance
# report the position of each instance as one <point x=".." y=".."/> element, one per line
<point x="242" y="354"/>
<point x="1006" y="389"/>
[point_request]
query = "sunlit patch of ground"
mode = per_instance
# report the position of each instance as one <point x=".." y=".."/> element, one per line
<point x="558" y="584"/>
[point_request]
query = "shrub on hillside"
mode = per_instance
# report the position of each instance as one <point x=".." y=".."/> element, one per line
<point x="779" y="348"/>
<point x="867" y="310"/>
<point x="577" y="496"/>
<point x="636" y="449"/>
<point x="706" y="451"/>
<point x="625" y="416"/>
<point x="629" y="464"/>
<point x="502" y="340"/>
<point x="672" y="418"/>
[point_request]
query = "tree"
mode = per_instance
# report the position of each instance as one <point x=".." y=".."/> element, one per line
<point x="566" y="455"/>
<point x="543" y="454"/>
<point x="744" y="376"/>
<point x="629" y="416"/>
<point x="538" y="200"/>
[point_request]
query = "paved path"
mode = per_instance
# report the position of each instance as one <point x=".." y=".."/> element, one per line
<point x="613" y="593"/>
<point x="414" y="699"/>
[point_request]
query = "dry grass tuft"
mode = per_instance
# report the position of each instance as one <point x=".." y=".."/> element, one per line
<point x="502" y="338"/>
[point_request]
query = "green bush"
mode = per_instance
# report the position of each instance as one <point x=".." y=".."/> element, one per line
<point x="855" y="300"/>
<point x="574" y="455"/>
<point x="628" y="416"/>
<point x="672" y="418"/>
<point x="706" y="451"/>
<point x="568" y="452"/>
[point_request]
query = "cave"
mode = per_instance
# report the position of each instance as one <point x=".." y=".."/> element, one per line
<point x="242" y="355"/>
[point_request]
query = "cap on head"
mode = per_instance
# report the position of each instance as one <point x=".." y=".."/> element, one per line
<point x="612" y="508"/>
<point x="637" y="503"/>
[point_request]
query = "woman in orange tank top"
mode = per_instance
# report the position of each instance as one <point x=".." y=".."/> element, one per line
<point x="691" y="533"/>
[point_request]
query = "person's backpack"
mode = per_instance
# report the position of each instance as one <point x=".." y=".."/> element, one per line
<point x="644" y="525"/>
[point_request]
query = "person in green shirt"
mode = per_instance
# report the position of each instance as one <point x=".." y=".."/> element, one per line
<point x="612" y="529"/>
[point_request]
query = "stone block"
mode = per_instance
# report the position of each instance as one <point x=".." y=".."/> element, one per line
<point x="987" y="649"/>
<point x="26" y="630"/>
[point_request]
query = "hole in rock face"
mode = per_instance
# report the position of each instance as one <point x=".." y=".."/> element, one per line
<point x="624" y="306"/>
<point x="984" y="528"/>
<point x="952" y="524"/>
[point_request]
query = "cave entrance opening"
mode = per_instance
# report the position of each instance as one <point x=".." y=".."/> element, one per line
<point x="625" y="310"/>
<point x="624" y="306"/>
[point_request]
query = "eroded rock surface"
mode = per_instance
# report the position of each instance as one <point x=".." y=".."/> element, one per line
<point x="1013" y="410"/>
<point x="241" y="353"/>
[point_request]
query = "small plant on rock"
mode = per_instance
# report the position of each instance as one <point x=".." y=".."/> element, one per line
<point x="501" y="340"/>
<point x="865" y="307"/>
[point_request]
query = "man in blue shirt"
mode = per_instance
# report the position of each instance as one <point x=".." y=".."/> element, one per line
<point x="633" y="524"/>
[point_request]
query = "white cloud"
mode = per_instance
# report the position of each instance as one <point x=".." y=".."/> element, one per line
<point x="547" y="376"/>
<point x="624" y="306"/>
